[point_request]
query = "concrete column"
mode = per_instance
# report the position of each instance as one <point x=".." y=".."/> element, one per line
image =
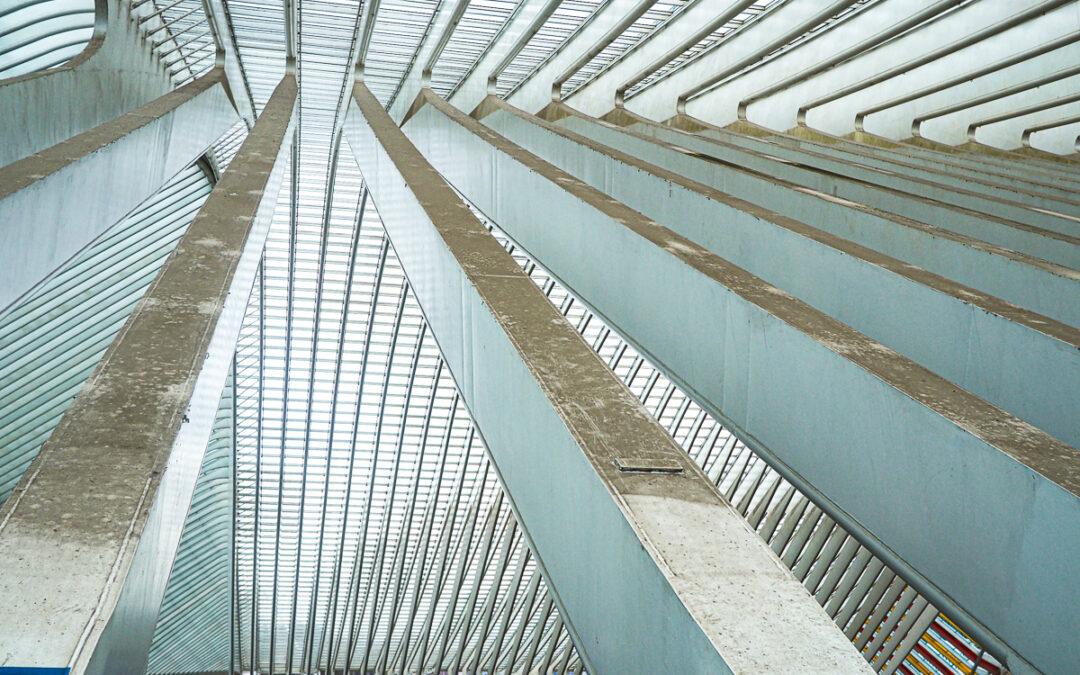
<point x="113" y="75"/>
<point x="649" y="566"/>
<point x="887" y="441"/>
<point x="931" y="319"/>
<point x="55" y="202"/>
<point x="102" y="506"/>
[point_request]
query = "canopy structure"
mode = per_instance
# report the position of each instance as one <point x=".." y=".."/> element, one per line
<point x="816" y="266"/>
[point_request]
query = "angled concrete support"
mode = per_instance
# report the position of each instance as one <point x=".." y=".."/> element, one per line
<point x="955" y="247"/>
<point x="649" y="565"/>
<point x="55" y="202"/>
<point x="931" y="319"/>
<point x="102" y="506"/>
<point x="1035" y="268"/>
<point x="114" y="74"/>
<point x="1031" y="214"/>
<point x="886" y="441"/>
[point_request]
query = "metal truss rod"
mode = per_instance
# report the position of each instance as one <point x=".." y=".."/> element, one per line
<point x="672" y="53"/>
<point x="137" y="434"/>
<point x="758" y="359"/>
<point x="966" y="77"/>
<point x="630" y="496"/>
<point x="68" y="194"/>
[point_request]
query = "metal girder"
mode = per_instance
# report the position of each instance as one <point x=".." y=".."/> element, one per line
<point x="55" y="202"/>
<point x="113" y="75"/>
<point x="718" y="602"/>
<point x="933" y="320"/>
<point x="890" y="443"/>
<point x="136" y="434"/>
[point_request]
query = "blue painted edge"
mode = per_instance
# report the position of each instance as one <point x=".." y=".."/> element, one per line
<point x="33" y="670"/>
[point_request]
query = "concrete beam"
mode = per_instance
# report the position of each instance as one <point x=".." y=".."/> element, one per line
<point x="1022" y="274"/>
<point x="657" y="553"/>
<point x="55" y="202"/>
<point x="1031" y="214"/>
<point x="113" y="75"/>
<point x="886" y="441"/>
<point x="968" y="337"/>
<point x="102" y="506"/>
<point x="955" y="246"/>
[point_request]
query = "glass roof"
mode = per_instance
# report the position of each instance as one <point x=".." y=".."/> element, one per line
<point x="567" y="19"/>
<point x="370" y="528"/>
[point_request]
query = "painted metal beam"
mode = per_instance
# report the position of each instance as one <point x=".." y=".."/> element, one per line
<point x="932" y="320"/>
<point x="113" y="75"/>
<point x="103" y="504"/>
<point x="55" y="202"/>
<point x="657" y="553"/>
<point x="885" y="440"/>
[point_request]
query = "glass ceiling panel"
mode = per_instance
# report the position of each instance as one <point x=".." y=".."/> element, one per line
<point x="654" y="19"/>
<point x="40" y="34"/>
<point x="707" y="44"/>
<point x="482" y="22"/>
<point x="567" y="19"/>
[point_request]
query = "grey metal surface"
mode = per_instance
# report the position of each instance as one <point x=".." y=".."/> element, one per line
<point x="625" y="523"/>
<point x="137" y="433"/>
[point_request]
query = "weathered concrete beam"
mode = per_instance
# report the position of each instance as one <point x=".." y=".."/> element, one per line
<point x="887" y="441"/>
<point x="1021" y="361"/>
<point x="1002" y="258"/>
<point x="102" y="506"/>
<point x="1021" y="279"/>
<point x="657" y="553"/>
<point x="55" y="202"/>
<point x="113" y="75"/>
<point x="1019" y="184"/>
<point x="764" y="154"/>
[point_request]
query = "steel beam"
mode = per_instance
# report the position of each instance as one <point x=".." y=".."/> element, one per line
<point x="886" y="441"/>
<point x="113" y="75"/>
<point x="953" y="330"/>
<point x="103" y="504"/>
<point x="55" y="202"/>
<point x="657" y="553"/>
